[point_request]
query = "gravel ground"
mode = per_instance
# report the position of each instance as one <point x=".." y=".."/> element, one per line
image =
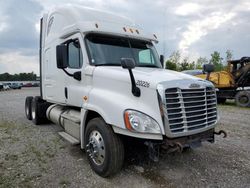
<point x="36" y="156"/>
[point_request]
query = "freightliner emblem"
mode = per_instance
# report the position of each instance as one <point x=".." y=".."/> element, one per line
<point x="194" y="86"/>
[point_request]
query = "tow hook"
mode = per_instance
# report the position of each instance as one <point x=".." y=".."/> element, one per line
<point x="179" y="146"/>
<point x="221" y="132"/>
<point x="172" y="147"/>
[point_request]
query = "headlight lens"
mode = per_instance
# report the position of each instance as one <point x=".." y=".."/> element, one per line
<point x="139" y="122"/>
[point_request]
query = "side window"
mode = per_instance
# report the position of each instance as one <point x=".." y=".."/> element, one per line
<point x="145" y="57"/>
<point x="74" y="55"/>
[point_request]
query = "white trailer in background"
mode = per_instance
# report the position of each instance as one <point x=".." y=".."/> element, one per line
<point x="102" y="80"/>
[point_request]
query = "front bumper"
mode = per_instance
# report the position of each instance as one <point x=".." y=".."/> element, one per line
<point x="169" y="145"/>
<point x="188" y="141"/>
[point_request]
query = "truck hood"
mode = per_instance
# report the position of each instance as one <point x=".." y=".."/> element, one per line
<point x="153" y="76"/>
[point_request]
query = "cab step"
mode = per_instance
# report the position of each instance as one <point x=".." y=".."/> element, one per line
<point x="69" y="138"/>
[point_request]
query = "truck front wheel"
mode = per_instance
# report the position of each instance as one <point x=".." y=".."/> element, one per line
<point x="104" y="148"/>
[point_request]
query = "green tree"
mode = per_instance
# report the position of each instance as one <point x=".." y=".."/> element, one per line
<point x="216" y="60"/>
<point x="174" y="60"/>
<point x="170" y="65"/>
<point x="229" y="55"/>
<point x="5" y="76"/>
<point x="184" y="65"/>
<point x="191" y="66"/>
<point x="18" y="77"/>
<point x="175" y="57"/>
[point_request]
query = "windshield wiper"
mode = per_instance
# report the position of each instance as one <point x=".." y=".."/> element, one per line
<point x="107" y="64"/>
<point x="148" y="65"/>
<point x="115" y="64"/>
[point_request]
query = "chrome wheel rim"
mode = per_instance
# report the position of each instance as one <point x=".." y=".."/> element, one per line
<point x="95" y="147"/>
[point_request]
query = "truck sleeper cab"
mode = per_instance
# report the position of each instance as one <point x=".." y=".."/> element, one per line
<point x="101" y="78"/>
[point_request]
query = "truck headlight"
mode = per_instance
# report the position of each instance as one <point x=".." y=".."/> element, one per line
<point x="139" y="122"/>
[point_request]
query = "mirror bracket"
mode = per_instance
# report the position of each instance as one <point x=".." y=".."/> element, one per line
<point x="129" y="63"/>
<point x="135" y="90"/>
<point x="162" y="60"/>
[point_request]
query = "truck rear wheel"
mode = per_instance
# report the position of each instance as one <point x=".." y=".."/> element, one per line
<point x="242" y="98"/>
<point x="38" y="110"/>
<point x="104" y="148"/>
<point x="28" y="102"/>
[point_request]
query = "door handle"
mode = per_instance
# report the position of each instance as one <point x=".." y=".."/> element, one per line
<point x="66" y="92"/>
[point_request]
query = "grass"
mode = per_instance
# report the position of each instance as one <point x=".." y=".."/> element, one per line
<point x="19" y="147"/>
<point x="11" y="157"/>
<point x="39" y="156"/>
<point x="5" y="182"/>
<point x="64" y="182"/>
<point x="10" y="165"/>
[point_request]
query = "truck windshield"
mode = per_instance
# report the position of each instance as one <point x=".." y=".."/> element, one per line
<point x="107" y="51"/>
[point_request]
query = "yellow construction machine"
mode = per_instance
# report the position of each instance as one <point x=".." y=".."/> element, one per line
<point x="232" y="83"/>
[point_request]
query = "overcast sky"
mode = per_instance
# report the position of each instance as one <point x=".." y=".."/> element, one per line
<point x="196" y="28"/>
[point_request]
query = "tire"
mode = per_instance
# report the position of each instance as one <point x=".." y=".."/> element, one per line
<point x="108" y="144"/>
<point x="221" y="100"/>
<point x="242" y="98"/>
<point x="28" y="102"/>
<point x="38" y="111"/>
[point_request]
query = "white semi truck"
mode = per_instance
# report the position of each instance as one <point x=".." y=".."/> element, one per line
<point x="102" y="79"/>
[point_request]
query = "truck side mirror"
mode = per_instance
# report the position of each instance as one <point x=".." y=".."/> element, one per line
<point x="162" y="60"/>
<point x="62" y="56"/>
<point x="208" y="68"/>
<point x="77" y="75"/>
<point x="127" y="63"/>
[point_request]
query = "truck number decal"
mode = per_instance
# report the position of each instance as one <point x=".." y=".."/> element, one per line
<point x="142" y="83"/>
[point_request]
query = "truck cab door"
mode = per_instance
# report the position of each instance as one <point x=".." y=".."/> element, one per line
<point x="74" y="89"/>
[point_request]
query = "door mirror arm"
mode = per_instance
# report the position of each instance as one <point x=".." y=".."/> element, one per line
<point x="129" y="63"/>
<point x="66" y="72"/>
<point x="162" y="60"/>
<point x="76" y="75"/>
<point x="135" y="90"/>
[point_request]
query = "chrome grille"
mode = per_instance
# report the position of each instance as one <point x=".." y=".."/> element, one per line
<point x="190" y="109"/>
